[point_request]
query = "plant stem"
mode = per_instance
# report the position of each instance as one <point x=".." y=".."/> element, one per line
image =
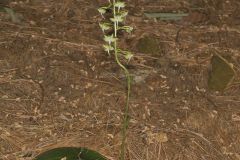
<point x="126" y="112"/>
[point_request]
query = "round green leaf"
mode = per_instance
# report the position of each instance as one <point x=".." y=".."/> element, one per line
<point x="70" y="153"/>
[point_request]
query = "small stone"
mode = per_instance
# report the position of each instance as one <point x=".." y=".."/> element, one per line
<point x="33" y="23"/>
<point x="162" y="137"/>
<point x="4" y="96"/>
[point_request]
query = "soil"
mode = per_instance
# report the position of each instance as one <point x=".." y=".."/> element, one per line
<point x="59" y="88"/>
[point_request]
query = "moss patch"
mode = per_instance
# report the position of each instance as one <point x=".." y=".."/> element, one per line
<point x="148" y="45"/>
<point x="221" y="75"/>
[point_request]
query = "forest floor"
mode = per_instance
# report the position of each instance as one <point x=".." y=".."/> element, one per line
<point x="59" y="88"/>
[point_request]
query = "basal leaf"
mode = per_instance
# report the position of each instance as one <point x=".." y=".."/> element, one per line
<point x="70" y="153"/>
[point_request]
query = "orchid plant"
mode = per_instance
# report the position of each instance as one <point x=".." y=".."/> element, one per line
<point x="116" y="23"/>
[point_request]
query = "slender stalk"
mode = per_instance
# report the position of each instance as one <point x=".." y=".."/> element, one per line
<point x="126" y="112"/>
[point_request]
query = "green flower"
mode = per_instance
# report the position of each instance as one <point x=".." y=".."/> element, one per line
<point x="128" y="55"/>
<point x="108" y="48"/>
<point x="124" y="13"/>
<point x="109" y="39"/>
<point x="117" y="18"/>
<point x="128" y="29"/>
<point x="105" y="26"/>
<point x="119" y="5"/>
<point x="102" y="10"/>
